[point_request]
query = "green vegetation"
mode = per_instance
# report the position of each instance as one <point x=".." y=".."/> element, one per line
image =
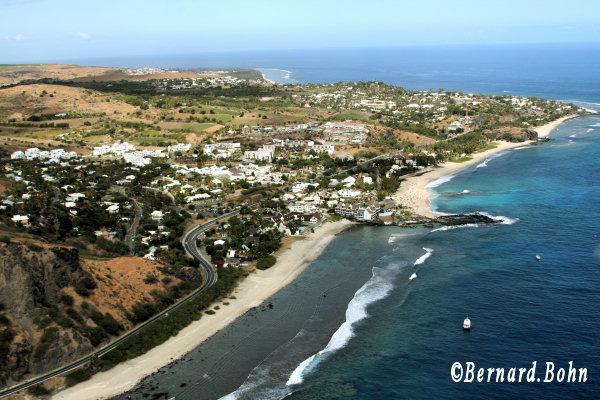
<point x="196" y="127"/>
<point x="352" y="115"/>
<point x="38" y="390"/>
<point x="266" y="262"/>
<point x="77" y="376"/>
<point x="161" y="330"/>
<point x="49" y="337"/>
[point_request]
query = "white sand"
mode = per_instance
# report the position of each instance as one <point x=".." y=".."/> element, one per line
<point x="413" y="193"/>
<point x="251" y="292"/>
<point x="545" y="130"/>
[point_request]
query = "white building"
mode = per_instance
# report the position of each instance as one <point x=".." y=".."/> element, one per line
<point x="260" y="154"/>
<point x="179" y="147"/>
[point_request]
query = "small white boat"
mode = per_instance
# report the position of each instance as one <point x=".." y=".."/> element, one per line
<point x="538" y="257"/>
<point x="467" y="324"/>
<point x="413" y="276"/>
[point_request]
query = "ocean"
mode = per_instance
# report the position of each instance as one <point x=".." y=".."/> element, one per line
<point x="557" y="71"/>
<point x="354" y="326"/>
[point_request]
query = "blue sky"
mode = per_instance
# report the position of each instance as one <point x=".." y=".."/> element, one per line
<point x="55" y="30"/>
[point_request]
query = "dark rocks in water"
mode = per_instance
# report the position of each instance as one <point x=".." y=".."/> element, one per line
<point x="464" y="219"/>
<point x="447" y="220"/>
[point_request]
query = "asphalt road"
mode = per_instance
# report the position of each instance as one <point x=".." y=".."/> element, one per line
<point x="189" y="243"/>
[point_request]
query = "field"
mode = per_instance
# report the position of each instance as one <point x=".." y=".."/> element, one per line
<point x="195" y="127"/>
<point x="13" y="73"/>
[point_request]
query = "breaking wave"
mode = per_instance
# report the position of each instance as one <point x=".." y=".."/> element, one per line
<point x="438" y="182"/>
<point x="501" y="219"/>
<point x="490" y="158"/>
<point x="395" y="236"/>
<point x="376" y="288"/>
<point x="449" y="228"/>
<point x="424" y="257"/>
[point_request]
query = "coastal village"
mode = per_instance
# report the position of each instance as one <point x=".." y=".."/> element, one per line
<point x="124" y="167"/>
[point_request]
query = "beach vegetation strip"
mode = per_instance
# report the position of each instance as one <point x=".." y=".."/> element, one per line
<point x="163" y="329"/>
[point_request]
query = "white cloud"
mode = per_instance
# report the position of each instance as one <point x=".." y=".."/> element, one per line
<point x="82" y="35"/>
<point x="19" y="37"/>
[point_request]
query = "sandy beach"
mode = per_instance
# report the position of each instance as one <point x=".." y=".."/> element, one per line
<point x="413" y="193"/>
<point x="251" y="292"/>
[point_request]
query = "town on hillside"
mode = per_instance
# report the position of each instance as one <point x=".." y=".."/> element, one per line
<point x="119" y="164"/>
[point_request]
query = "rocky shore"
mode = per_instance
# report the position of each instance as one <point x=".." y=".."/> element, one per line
<point x="447" y="220"/>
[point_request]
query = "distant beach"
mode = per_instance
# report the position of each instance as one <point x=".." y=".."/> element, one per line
<point x="414" y="192"/>
<point x="251" y="292"/>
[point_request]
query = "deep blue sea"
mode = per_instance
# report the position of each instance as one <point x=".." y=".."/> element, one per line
<point x="523" y="310"/>
<point x="354" y="326"/>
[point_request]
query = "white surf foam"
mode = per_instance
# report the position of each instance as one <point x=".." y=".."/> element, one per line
<point x="395" y="236"/>
<point x="490" y="158"/>
<point x="376" y="288"/>
<point x="590" y="129"/>
<point x="259" y="378"/>
<point x="466" y="191"/>
<point x="501" y="219"/>
<point x="449" y="228"/>
<point x="438" y="182"/>
<point x="483" y="164"/>
<point x="573" y="135"/>
<point x="424" y="257"/>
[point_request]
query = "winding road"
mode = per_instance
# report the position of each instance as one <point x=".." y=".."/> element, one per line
<point x="189" y="244"/>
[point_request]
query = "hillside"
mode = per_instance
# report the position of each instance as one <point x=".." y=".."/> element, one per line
<point x="10" y="74"/>
<point x="66" y="306"/>
<point x="25" y="101"/>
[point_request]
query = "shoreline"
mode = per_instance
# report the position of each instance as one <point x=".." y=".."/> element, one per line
<point x="251" y="292"/>
<point x="414" y="193"/>
<point x="272" y="82"/>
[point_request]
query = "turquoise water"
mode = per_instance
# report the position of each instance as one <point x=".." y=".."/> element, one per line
<point x="522" y="310"/>
<point x="354" y="326"/>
